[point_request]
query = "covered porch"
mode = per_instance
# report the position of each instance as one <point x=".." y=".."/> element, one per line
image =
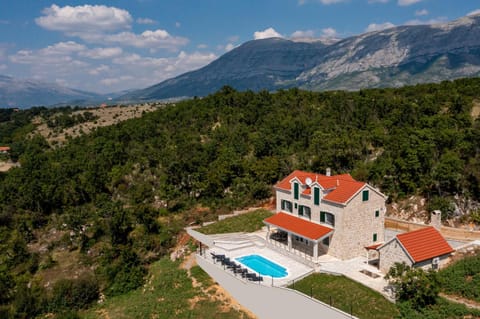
<point x="298" y="236"/>
<point x="373" y="255"/>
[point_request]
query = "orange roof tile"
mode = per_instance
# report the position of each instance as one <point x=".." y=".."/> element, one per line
<point x="4" y="148"/>
<point x="344" y="191"/>
<point x="298" y="226"/>
<point x="307" y="191"/>
<point x="373" y="247"/>
<point x="424" y="244"/>
<point x="343" y="185"/>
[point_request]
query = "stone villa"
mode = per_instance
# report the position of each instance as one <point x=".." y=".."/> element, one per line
<point x="323" y="214"/>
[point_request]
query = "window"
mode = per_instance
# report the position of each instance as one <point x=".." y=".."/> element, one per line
<point x="326" y="241"/>
<point x="304" y="211"/>
<point x="295" y="190"/>
<point x="286" y="206"/>
<point x="316" y="196"/>
<point x="365" y="195"/>
<point x="375" y="237"/>
<point x="327" y="218"/>
<point x="377" y="213"/>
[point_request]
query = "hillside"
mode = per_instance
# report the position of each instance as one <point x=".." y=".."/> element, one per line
<point x="388" y="58"/>
<point x="56" y="128"/>
<point x="96" y="214"/>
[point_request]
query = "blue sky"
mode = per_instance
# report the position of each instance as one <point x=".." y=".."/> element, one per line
<point x="108" y="46"/>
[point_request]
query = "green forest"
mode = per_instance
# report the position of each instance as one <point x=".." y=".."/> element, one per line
<point x="120" y="195"/>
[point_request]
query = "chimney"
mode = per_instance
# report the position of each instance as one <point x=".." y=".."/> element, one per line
<point x="329" y="171"/>
<point x="436" y="219"/>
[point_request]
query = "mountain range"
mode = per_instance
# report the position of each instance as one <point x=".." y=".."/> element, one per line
<point x="392" y="57"/>
<point x="387" y="58"/>
<point x="27" y="93"/>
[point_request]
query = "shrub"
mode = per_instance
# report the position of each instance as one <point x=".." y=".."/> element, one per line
<point x="74" y="293"/>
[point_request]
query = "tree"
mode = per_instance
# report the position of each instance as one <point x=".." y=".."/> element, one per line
<point x="414" y="285"/>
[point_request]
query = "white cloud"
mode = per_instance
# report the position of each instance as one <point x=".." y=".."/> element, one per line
<point x="377" y="27"/>
<point x="148" y="70"/>
<point x="378" y="1"/>
<point x="158" y="39"/>
<point x="100" y="69"/>
<point x="178" y="24"/>
<point x="230" y="47"/>
<point x="104" y="69"/>
<point x="407" y="2"/>
<point x="267" y="33"/>
<point x="326" y="2"/>
<point x="56" y="54"/>
<point x="84" y="19"/>
<point x="430" y="21"/>
<point x="332" y="1"/>
<point x="116" y="80"/>
<point x="303" y="34"/>
<point x="145" y="21"/>
<point x="233" y="38"/>
<point x="422" y="12"/>
<point x="102" y="53"/>
<point x="202" y="46"/>
<point x="102" y="24"/>
<point x="474" y="12"/>
<point x="329" y="33"/>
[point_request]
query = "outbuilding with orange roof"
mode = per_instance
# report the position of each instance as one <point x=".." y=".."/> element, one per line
<point x="425" y="248"/>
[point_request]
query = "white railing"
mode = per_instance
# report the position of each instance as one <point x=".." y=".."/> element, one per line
<point x="299" y="256"/>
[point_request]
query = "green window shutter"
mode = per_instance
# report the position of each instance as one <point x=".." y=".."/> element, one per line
<point x="322" y="217"/>
<point x="375" y="237"/>
<point x="300" y="210"/>
<point x="365" y="195"/>
<point x="377" y="213"/>
<point x="295" y="190"/>
<point x="316" y="196"/>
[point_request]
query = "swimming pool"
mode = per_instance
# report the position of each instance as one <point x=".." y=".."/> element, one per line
<point x="263" y="266"/>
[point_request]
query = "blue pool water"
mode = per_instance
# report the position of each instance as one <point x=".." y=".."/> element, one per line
<point x="263" y="266"/>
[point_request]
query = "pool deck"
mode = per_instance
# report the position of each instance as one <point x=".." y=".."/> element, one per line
<point x="235" y="245"/>
<point x="239" y="245"/>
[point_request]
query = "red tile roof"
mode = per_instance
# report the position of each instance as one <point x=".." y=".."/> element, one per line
<point x="4" y="148"/>
<point x="344" y="186"/>
<point x="298" y="226"/>
<point x="424" y="244"/>
<point x="373" y="247"/>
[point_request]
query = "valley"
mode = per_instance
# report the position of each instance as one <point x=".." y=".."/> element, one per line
<point x="108" y="206"/>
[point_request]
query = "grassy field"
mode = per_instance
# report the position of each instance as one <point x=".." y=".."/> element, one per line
<point x="347" y="295"/>
<point x="248" y="222"/>
<point x="168" y="293"/>
<point x="463" y="278"/>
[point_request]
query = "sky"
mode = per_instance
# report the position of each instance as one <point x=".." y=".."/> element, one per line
<point x="110" y="46"/>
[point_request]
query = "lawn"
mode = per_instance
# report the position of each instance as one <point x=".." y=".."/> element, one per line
<point x="248" y="222"/>
<point x="462" y="278"/>
<point x="168" y="293"/>
<point x="347" y="295"/>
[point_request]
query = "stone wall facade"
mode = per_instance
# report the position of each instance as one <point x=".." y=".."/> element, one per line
<point x="392" y="253"/>
<point x="355" y="222"/>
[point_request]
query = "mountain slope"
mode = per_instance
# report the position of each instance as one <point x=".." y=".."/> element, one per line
<point x="262" y="64"/>
<point x="393" y="57"/>
<point x="27" y="93"/>
<point x="399" y="56"/>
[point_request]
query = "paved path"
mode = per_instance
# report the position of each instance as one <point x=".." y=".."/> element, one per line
<point x="352" y="269"/>
<point x="271" y="302"/>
